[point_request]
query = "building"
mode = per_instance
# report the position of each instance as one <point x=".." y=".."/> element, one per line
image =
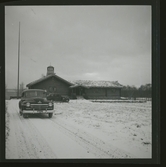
<point x="52" y="83"/>
<point x="10" y="93"/>
<point x="85" y="88"/>
<point x="96" y="89"/>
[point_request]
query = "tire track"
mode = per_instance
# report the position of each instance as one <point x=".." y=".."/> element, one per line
<point x="62" y="144"/>
<point x="25" y="142"/>
<point x="93" y="144"/>
<point x="36" y="141"/>
<point x="32" y="140"/>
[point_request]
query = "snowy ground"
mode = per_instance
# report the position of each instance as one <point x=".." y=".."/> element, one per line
<point x="80" y="129"/>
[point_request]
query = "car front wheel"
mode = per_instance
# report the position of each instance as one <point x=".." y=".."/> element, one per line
<point x="25" y="115"/>
<point x="50" y="115"/>
<point x="20" y="111"/>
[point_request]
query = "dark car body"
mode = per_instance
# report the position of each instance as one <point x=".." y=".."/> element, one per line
<point x="35" y="101"/>
<point x="57" y="97"/>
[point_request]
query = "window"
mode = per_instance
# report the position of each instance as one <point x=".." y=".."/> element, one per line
<point x="52" y="89"/>
<point x="35" y="94"/>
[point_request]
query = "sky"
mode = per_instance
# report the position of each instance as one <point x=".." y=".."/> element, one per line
<point x="111" y="43"/>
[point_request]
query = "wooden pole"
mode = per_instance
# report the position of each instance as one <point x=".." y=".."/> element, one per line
<point x="18" y="61"/>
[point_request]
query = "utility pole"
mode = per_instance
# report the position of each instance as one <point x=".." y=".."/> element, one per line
<point x="18" y="61"/>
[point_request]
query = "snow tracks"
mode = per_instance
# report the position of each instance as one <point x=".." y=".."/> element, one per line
<point x="39" y="137"/>
<point x="91" y="143"/>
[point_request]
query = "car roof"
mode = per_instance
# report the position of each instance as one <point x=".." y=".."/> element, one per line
<point x="29" y="90"/>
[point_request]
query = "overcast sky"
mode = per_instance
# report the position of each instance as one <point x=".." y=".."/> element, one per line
<point x="111" y="43"/>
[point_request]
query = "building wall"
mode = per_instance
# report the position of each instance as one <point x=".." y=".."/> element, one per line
<point x="114" y="92"/>
<point x="102" y="93"/>
<point x="11" y="93"/>
<point x="53" y="85"/>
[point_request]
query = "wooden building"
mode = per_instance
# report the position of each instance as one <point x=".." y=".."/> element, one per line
<point x="84" y="88"/>
<point x="52" y="83"/>
<point x="96" y="89"/>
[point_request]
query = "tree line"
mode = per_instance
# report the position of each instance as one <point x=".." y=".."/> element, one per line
<point x="144" y="91"/>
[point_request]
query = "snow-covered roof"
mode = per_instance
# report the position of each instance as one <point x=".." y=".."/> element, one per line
<point x="83" y="83"/>
<point x="45" y="78"/>
<point x="89" y="83"/>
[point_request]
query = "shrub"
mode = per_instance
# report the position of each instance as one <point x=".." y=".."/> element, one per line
<point x="73" y="96"/>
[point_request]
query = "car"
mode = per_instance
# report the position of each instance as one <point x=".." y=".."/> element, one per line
<point x="34" y="101"/>
<point x="57" y="97"/>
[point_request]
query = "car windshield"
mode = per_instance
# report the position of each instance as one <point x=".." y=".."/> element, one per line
<point x="35" y="94"/>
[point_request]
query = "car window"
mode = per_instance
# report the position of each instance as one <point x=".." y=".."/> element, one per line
<point x="41" y="94"/>
<point x="35" y="94"/>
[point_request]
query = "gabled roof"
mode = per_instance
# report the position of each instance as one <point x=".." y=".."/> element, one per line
<point x="89" y="84"/>
<point x="45" y="78"/>
<point x="29" y="90"/>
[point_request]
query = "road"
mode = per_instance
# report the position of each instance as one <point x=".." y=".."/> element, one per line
<point x="39" y="137"/>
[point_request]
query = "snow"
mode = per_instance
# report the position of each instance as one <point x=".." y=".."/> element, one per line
<point x="81" y="129"/>
<point x="90" y="83"/>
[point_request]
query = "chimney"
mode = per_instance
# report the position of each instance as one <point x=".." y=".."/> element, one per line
<point x="50" y="70"/>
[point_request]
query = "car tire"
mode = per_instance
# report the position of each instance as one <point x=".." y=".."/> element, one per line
<point x="25" y="115"/>
<point x="20" y="111"/>
<point x="50" y="115"/>
<point x="19" y="104"/>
